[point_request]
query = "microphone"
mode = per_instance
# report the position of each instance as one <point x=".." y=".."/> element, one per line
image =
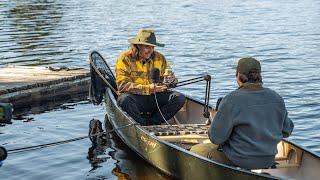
<point x="155" y="75"/>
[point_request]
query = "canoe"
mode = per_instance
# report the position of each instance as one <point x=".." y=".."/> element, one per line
<point x="166" y="147"/>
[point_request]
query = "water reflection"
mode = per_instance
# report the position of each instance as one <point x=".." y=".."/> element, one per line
<point x="99" y="143"/>
<point x="199" y="37"/>
<point x="129" y="165"/>
<point x="37" y="107"/>
<point x="33" y="22"/>
<point x="32" y="27"/>
<point x="96" y="156"/>
<point x="98" y="152"/>
<point x="117" y="172"/>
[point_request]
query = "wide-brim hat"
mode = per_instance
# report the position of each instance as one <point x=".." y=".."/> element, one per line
<point x="146" y="37"/>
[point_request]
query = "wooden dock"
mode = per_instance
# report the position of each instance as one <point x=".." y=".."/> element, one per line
<point x="22" y="85"/>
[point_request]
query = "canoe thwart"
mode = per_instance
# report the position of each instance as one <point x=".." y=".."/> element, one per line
<point x="190" y="139"/>
<point x="169" y="130"/>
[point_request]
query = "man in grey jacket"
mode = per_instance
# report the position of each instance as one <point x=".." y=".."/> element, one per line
<point x="249" y="124"/>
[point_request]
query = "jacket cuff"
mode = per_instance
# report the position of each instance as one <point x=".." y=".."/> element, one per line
<point x="146" y="90"/>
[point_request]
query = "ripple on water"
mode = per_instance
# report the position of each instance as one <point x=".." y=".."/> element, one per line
<point x="200" y="37"/>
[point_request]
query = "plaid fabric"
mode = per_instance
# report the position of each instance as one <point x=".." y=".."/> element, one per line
<point x="133" y="75"/>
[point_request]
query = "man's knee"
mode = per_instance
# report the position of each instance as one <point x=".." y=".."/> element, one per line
<point x="125" y="99"/>
<point x="178" y="98"/>
<point x="211" y="151"/>
<point x="203" y="149"/>
<point x="181" y="99"/>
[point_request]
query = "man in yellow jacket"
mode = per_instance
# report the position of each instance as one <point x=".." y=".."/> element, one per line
<point x="138" y="94"/>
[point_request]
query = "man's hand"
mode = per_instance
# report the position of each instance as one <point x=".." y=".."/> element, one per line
<point x="157" y="88"/>
<point x="169" y="78"/>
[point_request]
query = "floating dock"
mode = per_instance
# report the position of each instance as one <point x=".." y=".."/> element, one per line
<point x="23" y="85"/>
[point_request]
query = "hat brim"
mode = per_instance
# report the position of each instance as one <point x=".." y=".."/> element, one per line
<point x="134" y="41"/>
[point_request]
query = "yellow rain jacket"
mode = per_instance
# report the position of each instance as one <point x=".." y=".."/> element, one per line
<point x="133" y="75"/>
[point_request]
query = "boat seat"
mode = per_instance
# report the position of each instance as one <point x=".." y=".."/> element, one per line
<point x="181" y="129"/>
<point x="292" y="160"/>
<point x="288" y="156"/>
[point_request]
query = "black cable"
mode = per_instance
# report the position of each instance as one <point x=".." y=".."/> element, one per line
<point x="155" y="97"/>
<point x="30" y="148"/>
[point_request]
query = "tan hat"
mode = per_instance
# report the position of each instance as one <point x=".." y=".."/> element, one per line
<point x="146" y="37"/>
<point x="245" y="65"/>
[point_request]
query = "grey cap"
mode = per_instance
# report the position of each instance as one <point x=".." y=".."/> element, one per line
<point x="245" y="65"/>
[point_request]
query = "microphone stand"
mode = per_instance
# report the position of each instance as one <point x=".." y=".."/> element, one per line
<point x="206" y="78"/>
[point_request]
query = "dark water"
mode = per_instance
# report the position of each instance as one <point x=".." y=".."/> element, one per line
<point x="200" y="36"/>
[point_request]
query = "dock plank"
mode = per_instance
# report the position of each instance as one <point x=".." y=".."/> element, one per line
<point x="24" y="84"/>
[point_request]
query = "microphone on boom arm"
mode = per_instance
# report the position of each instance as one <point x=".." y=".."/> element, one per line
<point x="155" y="78"/>
<point x="206" y="78"/>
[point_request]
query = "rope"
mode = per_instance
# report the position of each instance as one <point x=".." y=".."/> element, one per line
<point x="30" y="148"/>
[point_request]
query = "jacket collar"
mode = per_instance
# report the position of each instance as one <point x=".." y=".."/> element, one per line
<point x="251" y="86"/>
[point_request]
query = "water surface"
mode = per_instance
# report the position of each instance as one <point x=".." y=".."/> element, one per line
<point x="200" y="36"/>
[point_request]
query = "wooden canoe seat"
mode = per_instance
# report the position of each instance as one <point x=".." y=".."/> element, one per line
<point x="288" y="156"/>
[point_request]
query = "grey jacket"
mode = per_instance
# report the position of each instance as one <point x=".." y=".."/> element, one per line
<point x="248" y="126"/>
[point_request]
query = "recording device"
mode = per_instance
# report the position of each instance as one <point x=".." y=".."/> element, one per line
<point x="155" y="75"/>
